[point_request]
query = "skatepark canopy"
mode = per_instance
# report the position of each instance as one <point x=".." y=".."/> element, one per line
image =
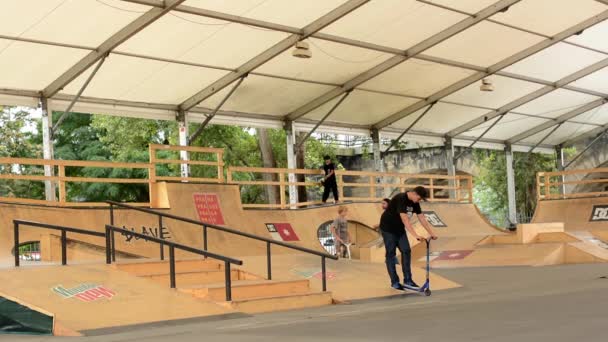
<point x="385" y="66"/>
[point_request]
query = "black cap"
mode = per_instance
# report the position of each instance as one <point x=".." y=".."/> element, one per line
<point x="422" y="192"/>
<point x="327" y="158"/>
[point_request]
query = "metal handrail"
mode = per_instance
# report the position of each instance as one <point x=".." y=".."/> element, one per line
<point x="268" y="241"/>
<point x="109" y="246"/>
<point x="63" y="229"/>
<point x="110" y="229"/>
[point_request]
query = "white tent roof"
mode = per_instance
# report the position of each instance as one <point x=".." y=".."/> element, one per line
<point x="548" y="61"/>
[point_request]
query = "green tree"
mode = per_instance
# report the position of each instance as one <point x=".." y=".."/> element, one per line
<point x="18" y="140"/>
<point x="490" y="193"/>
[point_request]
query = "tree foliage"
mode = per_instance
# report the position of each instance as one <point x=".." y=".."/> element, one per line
<point x="19" y="140"/>
<point x="490" y="191"/>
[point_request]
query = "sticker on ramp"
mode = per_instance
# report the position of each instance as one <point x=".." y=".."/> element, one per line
<point x="208" y="208"/>
<point x="282" y="232"/>
<point x="600" y="213"/>
<point x="84" y="292"/>
<point x="454" y="255"/>
<point x="434" y="219"/>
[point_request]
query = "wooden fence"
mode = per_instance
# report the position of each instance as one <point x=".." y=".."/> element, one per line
<point x="549" y="185"/>
<point x="11" y="171"/>
<point x="352" y="185"/>
<point x="371" y="182"/>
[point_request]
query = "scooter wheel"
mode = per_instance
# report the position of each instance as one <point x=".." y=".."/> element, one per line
<point x="427" y="292"/>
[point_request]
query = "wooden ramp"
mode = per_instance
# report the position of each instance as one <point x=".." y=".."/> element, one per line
<point x="348" y="279"/>
<point x="91" y="297"/>
<point x="576" y="214"/>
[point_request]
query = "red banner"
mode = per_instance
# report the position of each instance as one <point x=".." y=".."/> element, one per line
<point x="208" y="208"/>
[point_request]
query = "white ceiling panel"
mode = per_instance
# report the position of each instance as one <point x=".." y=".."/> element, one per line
<point x="505" y="91"/>
<point x="34" y="66"/>
<point x="594" y="37"/>
<point x="484" y="44"/>
<point x="362" y="108"/>
<point x="264" y="95"/>
<point x="396" y="23"/>
<point x="555" y="103"/>
<point x="556" y="15"/>
<point x="345" y="62"/>
<point x="196" y="39"/>
<point x="442" y="118"/>
<point x="129" y="78"/>
<point x="564" y="132"/>
<point x="509" y="126"/>
<point x="555" y="62"/>
<point x="79" y="22"/>
<point x="417" y="78"/>
<point x="597" y="81"/>
<point x="292" y="13"/>
<point x="469" y="6"/>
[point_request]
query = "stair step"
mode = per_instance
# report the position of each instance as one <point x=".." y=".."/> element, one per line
<point x="149" y="268"/>
<point x="199" y="278"/>
<point x="249" y="289"/>
<point x="281" y="303"/>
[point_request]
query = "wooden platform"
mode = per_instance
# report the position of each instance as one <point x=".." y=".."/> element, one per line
<point x="128" y="300"/>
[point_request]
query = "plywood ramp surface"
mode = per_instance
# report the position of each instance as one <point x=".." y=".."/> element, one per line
<point x="135" y="300"/>
<point x="574" y="213"/>
<point x="348" y="279"/>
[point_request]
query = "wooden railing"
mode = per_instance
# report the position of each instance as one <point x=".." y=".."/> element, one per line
<point x="215" y="153"/>
<point x="61" y="181"/>
<point x="371" y="182"/>
<point x="549" y="185"/>
<point x="282" y="181"/>
<point x="352" y="185"/>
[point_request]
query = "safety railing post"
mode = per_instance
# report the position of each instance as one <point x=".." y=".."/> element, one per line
<point x="228" y="278"/>
<point x="205" y="238"/>
<point x="160" y="233"/>
<point x="268" y="261"/>
<point x="324" y="274"/>
<point x="108" y="246"/>
<point x="64" y="245"/>
<point x="172" y="265"/>
<point x="16" y="239"/>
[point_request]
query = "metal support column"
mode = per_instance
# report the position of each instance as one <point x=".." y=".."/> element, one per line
<point x="378" y="164"/>
<point x="450" y="165"/>
<point x="511" y="185"/>
<point x="182" y="123"/>
<point x="291" y="161"/>
<point x="47" y="148"/>
<point x="559" y="161"/>
<point x="378" y="167"/>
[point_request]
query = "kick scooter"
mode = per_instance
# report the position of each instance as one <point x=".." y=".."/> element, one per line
<point x="426" y="287"/>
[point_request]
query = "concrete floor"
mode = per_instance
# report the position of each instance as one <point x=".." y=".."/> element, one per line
<point x="560" y="303"/>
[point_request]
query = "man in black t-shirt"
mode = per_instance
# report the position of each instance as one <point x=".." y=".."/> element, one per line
<point x="393" y="224"/>
<point x="329" y="181"/>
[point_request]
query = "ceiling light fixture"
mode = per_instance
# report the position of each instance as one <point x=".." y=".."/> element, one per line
<point x="302" y="50"/>
<point x="486" y="85"/>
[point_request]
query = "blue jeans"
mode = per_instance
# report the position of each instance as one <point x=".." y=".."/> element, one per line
<point x="391" y="243"/>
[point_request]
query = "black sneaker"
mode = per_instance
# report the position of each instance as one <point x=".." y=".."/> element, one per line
<point x="397" y="286"/>
<point x="411" y="283"/>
